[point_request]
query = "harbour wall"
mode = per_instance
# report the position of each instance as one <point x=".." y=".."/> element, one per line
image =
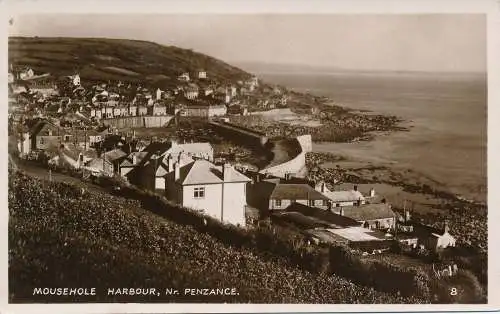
<point x="139" y="122"/>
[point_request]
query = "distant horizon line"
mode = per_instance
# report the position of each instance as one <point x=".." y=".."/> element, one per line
<point x="239" y="63"/>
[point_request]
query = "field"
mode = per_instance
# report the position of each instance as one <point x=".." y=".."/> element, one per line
<point x="123" y="245"/>
<point x="116" y="59"/>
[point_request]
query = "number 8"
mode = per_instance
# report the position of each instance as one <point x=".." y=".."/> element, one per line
<point x="453" y="291"/>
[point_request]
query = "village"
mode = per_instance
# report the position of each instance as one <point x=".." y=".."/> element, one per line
<point x="64" y="123"/>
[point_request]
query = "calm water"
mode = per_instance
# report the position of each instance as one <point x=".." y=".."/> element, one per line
<point x="447" y="116"/>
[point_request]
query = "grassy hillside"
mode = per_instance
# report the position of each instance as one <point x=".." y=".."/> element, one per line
<point x="100" y="59"/>
<point x="57" y="238"/>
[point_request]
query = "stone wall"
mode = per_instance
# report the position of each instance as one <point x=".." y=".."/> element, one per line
<point x="139" y="122"/>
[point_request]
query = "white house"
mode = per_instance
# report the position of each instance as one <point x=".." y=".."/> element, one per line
<point x="202" y="74"/>
<point x="218" y="191"/>
<point x="26" y="74"/>
<point x="184" y="77"/>
<point x="342" y="198"/>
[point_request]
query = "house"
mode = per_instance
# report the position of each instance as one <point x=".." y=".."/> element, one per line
<point x="237" y="109"/>
<point x="202" y="74"/>
<point x="342" y="198"/>
<point x="26" y="74"/>
<point x="191" y="92"/>
<point x="223" y="97"/>
<point x="45" y="134"/>
<point x="132" y="110"/>
<point x="158" y="109"/>
<point x="74" y="79"/>
<point x="99" y="166"/>
<point x="108" y="112"/>
<point x="115" y="158"/>
<point x="285" y="194"/>
<point x="372" y="216"/>
<point x="142" y="110"/>
<point x="158" y="94"/>
<point x="326" y="227"/>
<point x="184" y="77"/>
<point x="117" y="112"/>
<point x="96" y="136"/>
<point x="218" y="191"/>
<point x="130" y="162"/>
<point x="432" y="238"/>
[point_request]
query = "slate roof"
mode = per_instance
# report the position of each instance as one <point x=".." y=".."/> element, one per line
<point x="324" y="215"/>
<point x="204" y="172"/>
<point x="128" y="161"/>
<point x="286" y="191"/>
<point x="369" y="212"/>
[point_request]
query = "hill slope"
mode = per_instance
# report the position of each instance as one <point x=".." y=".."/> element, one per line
<point x="101" y="59"/>
<point x="120" y="244"/>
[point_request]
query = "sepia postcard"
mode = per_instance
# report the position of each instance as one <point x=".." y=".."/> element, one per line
<point x="215" y="157"/>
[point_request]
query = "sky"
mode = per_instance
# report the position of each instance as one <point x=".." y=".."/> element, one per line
<point x="432" y="42"/>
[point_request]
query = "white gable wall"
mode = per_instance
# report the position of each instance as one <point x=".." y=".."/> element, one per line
<point x="234" y="203"/>
<point x="211" y="203"/>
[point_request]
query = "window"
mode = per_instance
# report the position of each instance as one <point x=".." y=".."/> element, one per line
<point x="311" y="202"/>
<point x="277" y="203"/>
<point x="42" y="141"/>
<point x="337" y="205"/>
<point x="66" y="138"/>
<point x="199" y="192"/>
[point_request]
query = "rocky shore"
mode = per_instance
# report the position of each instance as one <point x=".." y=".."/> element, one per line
<point x="431" y="202"/>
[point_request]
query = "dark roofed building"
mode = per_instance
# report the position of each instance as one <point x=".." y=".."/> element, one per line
<point x="285" y="194"/>
<point x="378" y="216"/>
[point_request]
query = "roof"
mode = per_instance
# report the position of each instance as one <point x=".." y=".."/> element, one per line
<point x="296" y="192"/>
<point x="204" y="172"/>
<point x="128" y="161"/>
<point x="158" y="147"/>
<point x="325" y="236"/>
<point x="369" y="212"/>
<point x="324" y="215"/>
<point x="115" y="154"/>
<point x="40" y="125"/>
<point x="344" y="196"/>
<point x="357" y="234"/>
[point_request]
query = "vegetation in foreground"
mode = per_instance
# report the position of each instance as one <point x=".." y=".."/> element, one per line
<point x="59" y="238"/>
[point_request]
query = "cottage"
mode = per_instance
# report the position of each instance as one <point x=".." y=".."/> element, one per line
<point x="432" y="238"/>
<point x="132" y="161"/>
<point x="26" y="74"/>
<point x="372" y="216"/>
<point x="285" y="194"/>
<point x="45" y="134"/>
<point x="218" y="191"/>
<point x="142" y="110"/>
<point x="202" y="74"/>
<point x="342" y="198"/>
<point x="184" y="77"/>
<point x="132" y="110"/>
<point x="191" y="92"/>
<point x="99" y="166"/>
<point x="159" y="109"/>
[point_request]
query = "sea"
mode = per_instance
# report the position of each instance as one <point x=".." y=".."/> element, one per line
<point x="446" y="115"/>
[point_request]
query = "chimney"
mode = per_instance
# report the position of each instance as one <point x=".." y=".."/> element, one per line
<point x="225" y="172"/>
<point x="323" y="187"/>
<point x="170" y="166"/>
<point x="341" y="212"/>
<point x="177" y="171"/>
<point x="355" y="187"/>
<point x="372" y="192"/>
